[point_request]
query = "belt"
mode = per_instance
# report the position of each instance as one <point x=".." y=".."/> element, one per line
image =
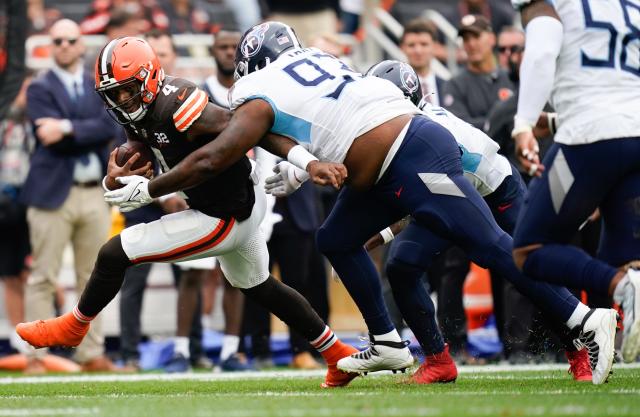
<point x="86" y="184"/>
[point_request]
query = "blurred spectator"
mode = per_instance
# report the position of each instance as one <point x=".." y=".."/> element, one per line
<point x="148" y="13"/>
<point x="62" y="190"/>
<point x="246" y="13"/>
<point x="223" y="52"/>
<point x="40" y="17"/>
<point x="308" y="18"/>
<point x="350" y="12"/>
<point x="165" y="49"/>
<point x="472" y="93"/>
<point x="16" y="144"/>
<point x="499" y="13"/>
<point x="417" y="43"/>
<point x="13" y="31"/>
<point x="331" y="44"/>
<point x="124" y="23"/>
<point x="186" y="17"/>
<point x="510" y="42"/>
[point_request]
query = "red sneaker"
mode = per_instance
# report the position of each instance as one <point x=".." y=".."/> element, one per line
<point x="579" y="365"/>
<point x="436" y="368"/>
<point x="64" y="331"/>
<point x="335" y="377"/>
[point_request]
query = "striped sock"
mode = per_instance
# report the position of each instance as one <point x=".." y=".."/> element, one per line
<point x="325" y="340"/>
<point x="81" y="317"/>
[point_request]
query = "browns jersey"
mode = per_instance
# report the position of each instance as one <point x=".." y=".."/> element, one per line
<point x="164" y="129"/>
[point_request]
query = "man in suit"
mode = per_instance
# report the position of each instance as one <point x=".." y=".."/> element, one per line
<point x="417" y="43"/>
<point x="62" y="190"/>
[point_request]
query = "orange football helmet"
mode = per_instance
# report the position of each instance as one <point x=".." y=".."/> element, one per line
<point x="125" y="62"/>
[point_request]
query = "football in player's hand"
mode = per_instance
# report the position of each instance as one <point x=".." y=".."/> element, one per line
<point x="129" y="149"/>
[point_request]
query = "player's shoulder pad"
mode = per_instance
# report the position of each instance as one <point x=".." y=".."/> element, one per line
<point x="245" y="89"/>
<point x="181" y="101"/>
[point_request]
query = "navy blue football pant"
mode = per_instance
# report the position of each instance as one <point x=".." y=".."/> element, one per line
<point x="579" y="179"/>
<point x="424" y="180"/>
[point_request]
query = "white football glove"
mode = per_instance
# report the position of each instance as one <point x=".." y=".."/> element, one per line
<point x="288" y="178"/>
<point x="133" y="195"/>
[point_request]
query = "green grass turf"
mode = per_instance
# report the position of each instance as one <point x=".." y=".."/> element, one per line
<point x="538" y="393"/>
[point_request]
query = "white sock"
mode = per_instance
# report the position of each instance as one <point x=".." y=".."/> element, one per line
<point x="618" y="293"/>
<point x="577" y="316"/>
<point x="181" y="346"/>
<point x="230" y="345"/>
<point x="392" y="336"/>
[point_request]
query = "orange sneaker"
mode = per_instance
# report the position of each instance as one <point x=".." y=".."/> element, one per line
<point x="436" y="368"/>
<point x="336" y="377"/>
<point x="579" y="365"/>
<point x="64" y="331"/>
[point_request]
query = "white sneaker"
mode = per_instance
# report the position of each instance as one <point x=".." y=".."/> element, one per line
<point x="379" y="356"/>
<point x="630" y="304"/>
<point x="597" y="334"/>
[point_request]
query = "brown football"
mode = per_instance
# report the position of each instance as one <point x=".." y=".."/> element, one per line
<point x="129" y="149"/>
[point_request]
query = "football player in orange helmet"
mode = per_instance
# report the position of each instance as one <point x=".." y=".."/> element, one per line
<point x="174" y="117"/>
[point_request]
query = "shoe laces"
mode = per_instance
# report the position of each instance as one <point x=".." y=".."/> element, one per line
<point x="587" y="340"/>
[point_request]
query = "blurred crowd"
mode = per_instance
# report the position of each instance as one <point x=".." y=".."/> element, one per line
<point x="55" y="138"/>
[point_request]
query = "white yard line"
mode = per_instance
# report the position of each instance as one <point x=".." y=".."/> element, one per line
<point x="47" y="411"/>
<point x="470" y="372"/>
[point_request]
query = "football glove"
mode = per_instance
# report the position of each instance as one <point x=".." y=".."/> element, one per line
<point x="133" y="195"/>
<point x="288" y="178"/>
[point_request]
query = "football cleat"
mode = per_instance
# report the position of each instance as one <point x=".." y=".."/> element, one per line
<point x="65" y="331"/>
<point x="335" y="377"/>
<point x="597" y="335"/>
<point x="436" y="368"/>
<point x="235" y="363"/>
<point x="381" y="355"/>
<point x="579" y="366"/>
<point x="177" y="364"/>
<point x="630" y="304"/>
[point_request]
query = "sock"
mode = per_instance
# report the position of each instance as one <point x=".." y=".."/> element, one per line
<point x="230" y="345"/>
<point x="181" y="346"/>
<point x="576" y="317"/>
<point x="392" y="336"/>
<point x="82" y="318"/>
<point x="618" y="292"/>
<point x="570" y="267"/>
<point x="324" y="341"/>
<point x="106" y="278"/>
<point x="329" y="346"/>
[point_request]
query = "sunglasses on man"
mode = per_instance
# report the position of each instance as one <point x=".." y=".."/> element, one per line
<point x="513" y="49"/>
<point x="60" y="41"/>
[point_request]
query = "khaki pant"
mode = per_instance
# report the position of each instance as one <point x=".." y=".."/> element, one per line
<point x="309" y="25"/>
<point x="84" y="221"/>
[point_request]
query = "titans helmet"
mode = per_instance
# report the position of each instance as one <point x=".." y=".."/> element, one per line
<point x="263" y="44"/>
<point x="402" y="75"/>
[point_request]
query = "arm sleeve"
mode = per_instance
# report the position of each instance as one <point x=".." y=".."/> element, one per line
<point x="537" y="72"/>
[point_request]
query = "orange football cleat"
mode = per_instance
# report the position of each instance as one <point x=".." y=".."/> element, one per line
<point x="336" y="377"/>
<point x="66" y="331"/>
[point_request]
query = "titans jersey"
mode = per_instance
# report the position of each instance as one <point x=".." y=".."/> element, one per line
<point x="164" y="129"/>
<point x="319" y="100"/>
<point x="481" y="162"/>
<point x="597" y="77"/>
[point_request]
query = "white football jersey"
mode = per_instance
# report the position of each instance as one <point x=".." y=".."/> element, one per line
<point x="597" y="80"/>
<point x="481" y="162"/>
<point x="319" y="100"/>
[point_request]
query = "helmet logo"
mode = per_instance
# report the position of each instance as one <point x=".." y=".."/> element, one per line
<point x="253" y="41"/>
<point x="408" y="79"/>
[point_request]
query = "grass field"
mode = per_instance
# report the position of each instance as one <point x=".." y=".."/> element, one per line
<point x="487" y="391"/>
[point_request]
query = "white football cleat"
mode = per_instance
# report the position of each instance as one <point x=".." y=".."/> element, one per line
<point x="630" y="303"/>
<point x="597" y="335"/>
<point x="379" y="356"/>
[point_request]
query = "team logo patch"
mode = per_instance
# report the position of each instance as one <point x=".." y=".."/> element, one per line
<point x="253" y="41"/>
<point x="409" y="79"/>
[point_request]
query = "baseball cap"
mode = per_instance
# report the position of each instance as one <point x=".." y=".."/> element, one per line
<point x="474" y="23"/>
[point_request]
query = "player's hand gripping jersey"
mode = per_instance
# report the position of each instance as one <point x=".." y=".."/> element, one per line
<point x="481" y="162"/>
<point x="597" y="76"/>
<point x="317" y="99"/>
